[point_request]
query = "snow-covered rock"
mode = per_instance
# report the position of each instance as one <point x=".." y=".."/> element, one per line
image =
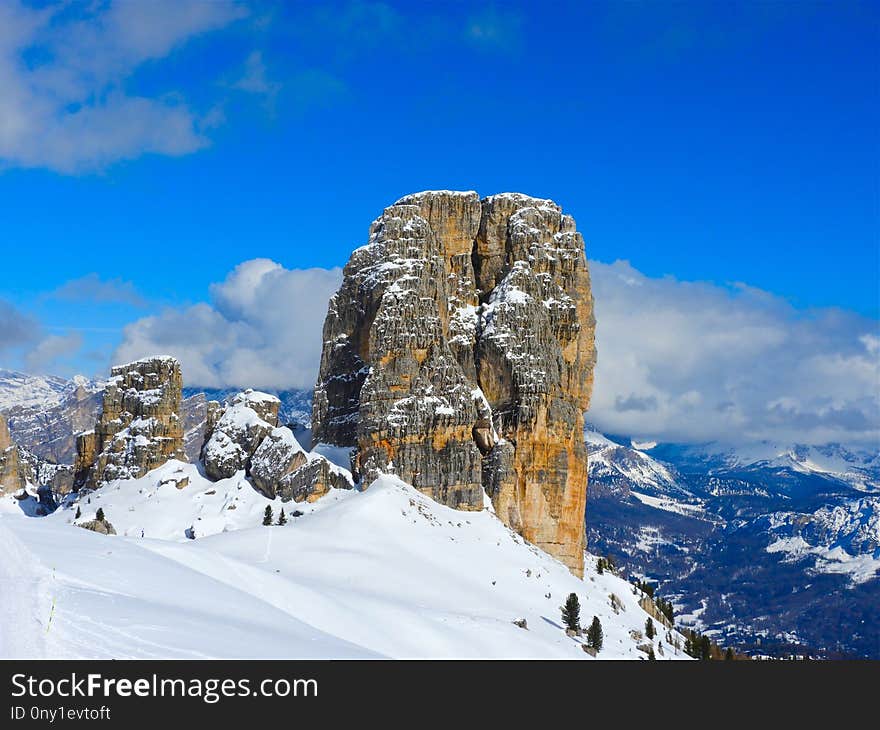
<point x="282" y="467"/>
<point x="246" y="421"/>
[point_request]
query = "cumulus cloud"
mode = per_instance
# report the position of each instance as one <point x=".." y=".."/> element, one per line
<point x="63" y="71"/>
<point x="678" y="361"/>
<point x="693" y="362"/>
<point x="92" y="288"/>
<point x="262" y="328"/>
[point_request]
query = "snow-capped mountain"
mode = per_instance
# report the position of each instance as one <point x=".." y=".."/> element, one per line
<point x="44" y="413"/>
<point x="858" y="467"/>
<point x="613" y="464"/>
<point x="23" y="390"/>
<point x="383" y="572"/>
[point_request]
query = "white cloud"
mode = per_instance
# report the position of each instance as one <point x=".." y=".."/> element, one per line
<point x="261" y="329"/>
<point x="678" y="361"/>
<point x="50" y="350"/>
<point x="92" y="288"/>
<point x="698" y="362"/>
<point x="63" y="72"/>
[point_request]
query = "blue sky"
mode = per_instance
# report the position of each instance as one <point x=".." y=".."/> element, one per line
<point x="146" y="150"/>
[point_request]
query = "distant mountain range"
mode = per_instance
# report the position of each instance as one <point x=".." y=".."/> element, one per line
<point x="772" y="548"/>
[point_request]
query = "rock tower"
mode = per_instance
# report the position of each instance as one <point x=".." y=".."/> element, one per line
<point x="459" y="353"/>
<point x="140" y="426"/>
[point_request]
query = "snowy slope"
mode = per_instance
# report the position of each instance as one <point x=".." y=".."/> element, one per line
<point x="385" y="572"/>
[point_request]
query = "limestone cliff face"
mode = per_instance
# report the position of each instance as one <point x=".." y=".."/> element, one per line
<point x="140" y="426"/>
<point x="12" y="477"/>
<point x="459" y="354"/>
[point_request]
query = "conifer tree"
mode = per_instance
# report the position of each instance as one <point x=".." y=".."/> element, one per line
<point x="705" y="648"/>
<point x="99" y="515"/>
<point x="728" y="655"/>
<point x="78" y="513"/>
<point x="649" y="628"/>
<point x="600" y="566"/>
<point x="595" y="636"/>
<point x="651" y="656"/>
<point x="282" y="518"/>
<point x="267" y="516"/>
<point x="571" y="613"/>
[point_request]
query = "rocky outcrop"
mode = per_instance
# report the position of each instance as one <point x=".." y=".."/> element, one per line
<point x="12" y="476"/>
<point x="140" y="427"/>
<point x="234" y="434"/>
<point x="650" y="608"/>
<point x="100" y="526"/>
<point x="245" y="436"/>
<point x="276" y="460"/>
<point x="459" y="353"/>
<point x="281" y="467"/>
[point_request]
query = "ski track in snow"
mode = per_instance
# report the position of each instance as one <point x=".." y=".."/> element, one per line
<point x="23" y="588"/>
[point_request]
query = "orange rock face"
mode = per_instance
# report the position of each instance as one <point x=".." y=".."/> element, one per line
<point x="459" y="354"/>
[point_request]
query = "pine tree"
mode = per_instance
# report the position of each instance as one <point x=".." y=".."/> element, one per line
<point x="600" y="566"/>
<point x="99" y="515"/>
<point x="595" y="637"/>
<point x="78" y="513"/>
<point x="282" y="518"/>
<point x="267" y="516"/>
<point x="705" y="648"/>
<point x="651" y="656"/>
<point x="728" y="655"/>
<point x="571" y="613"/>
<point x="649" y="628"/>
